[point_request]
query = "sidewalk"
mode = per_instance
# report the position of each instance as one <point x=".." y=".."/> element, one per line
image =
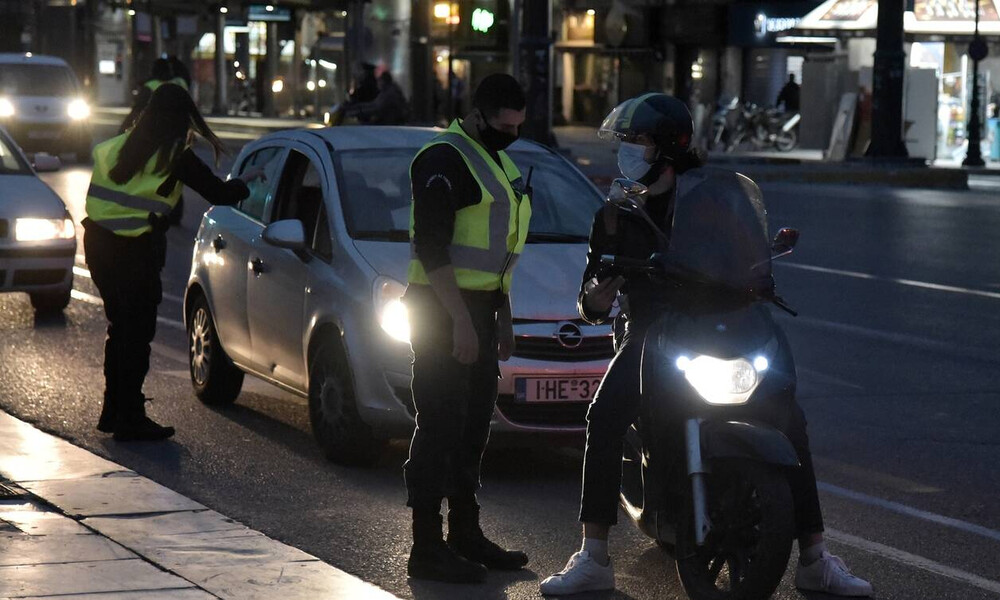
<point x="72" y="523"/>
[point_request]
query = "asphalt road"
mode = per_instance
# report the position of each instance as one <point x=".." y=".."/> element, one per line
<point x="898" y="292"/>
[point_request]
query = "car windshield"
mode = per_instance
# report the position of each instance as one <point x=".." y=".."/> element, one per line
<point x="10" y="161"/>
<point x="375" y="192"/>
<point x="36" y="80"/>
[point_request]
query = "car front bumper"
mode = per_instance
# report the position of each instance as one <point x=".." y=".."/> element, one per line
<point x="51" y="136"/>
<point x="36" y="266"/>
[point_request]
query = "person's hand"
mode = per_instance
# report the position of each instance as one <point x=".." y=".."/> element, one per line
<point x="599" y="296"/>
<point x="505" y="338"/>
<point x="465" y="341"/>
<point x="254" y="173"/>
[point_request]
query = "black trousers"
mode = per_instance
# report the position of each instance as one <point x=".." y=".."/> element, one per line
<point x="615" y="408"/>
<point x="454" y="402"/>
<point x="126" y="272"/>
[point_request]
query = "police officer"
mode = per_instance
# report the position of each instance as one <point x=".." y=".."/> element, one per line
<point x="469" y="223"/>
<point x="136" y="181"/>
<point x="655" y="132"/>
<point x="164" y="71"/>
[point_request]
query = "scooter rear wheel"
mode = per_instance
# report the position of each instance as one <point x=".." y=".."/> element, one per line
<point x="746" y="552"/>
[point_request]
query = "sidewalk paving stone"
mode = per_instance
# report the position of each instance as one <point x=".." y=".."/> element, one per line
<point x="27" y="454"/>
<point x="20" y="549"/>
<point x="85" y="578"/>
<point x="32" y="518"/>
<point x="175" y="594"/>
<point x="138" y="526"/>
<point x="119" y="495"/>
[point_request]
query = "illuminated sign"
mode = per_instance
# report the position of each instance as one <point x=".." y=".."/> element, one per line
<point x="482" y="20"/>
<point x="764" y="25"/>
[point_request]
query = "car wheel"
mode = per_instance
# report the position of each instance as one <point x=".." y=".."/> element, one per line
<point x="216" y="380"/>
<point x="341" y="434"/>
<point x="46" y="303"/>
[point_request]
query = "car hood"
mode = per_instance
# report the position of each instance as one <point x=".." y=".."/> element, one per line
<point x="546" y="280"/>
<point x="28" y="196"/>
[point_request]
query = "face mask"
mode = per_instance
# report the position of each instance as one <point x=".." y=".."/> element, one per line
<point x="632" y="162"/>
<point x="493" y="138"/>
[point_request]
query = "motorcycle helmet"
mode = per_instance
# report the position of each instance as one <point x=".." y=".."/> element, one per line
<point x="662" y="118"/>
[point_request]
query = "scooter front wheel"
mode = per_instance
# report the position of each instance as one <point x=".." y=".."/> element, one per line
<point x="746" y="551"/>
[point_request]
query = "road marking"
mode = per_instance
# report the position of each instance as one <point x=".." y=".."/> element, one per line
<point x="828" y="378"/>
<point x="90" y="299"/>
<point x="909" y="282"/>
<point x="82" y="272"/>
<point x="913" y="560"/>
<point x="910" y="511"/>
<point x="877" y="478"/>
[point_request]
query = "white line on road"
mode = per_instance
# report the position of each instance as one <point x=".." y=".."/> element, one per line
<point x="82" y="272"/>
<point x="913" y="560"/>
<point x="910" y="282"/>
<point x="910" y="511"/>
<point x="85" y="297"/>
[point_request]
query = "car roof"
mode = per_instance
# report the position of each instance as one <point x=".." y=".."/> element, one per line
<point x="369" y="137"/>
<point x="29" y="58"/>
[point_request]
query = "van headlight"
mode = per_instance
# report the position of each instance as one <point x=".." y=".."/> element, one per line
<point x="78" y="110"/>
<point x="6" y="108"/>
<point x="723" y="382"/>
<point x="389" y="308"/>
<point x="37" y="230"/>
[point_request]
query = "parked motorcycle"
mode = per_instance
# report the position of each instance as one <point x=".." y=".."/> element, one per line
<point x="762" y="128"/>
<point x="723" y="122"/>
<point x="703" y="474"/>
<point x="782" y="129"/>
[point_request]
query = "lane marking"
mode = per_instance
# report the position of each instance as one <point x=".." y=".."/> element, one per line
<point x="877" y="478"/>
<point x="90" y="299"/>
<point x="82" y="272"/>
<point x="913" y="560"/>
<point x="910" y="511"/>
<point x="908" y="282"/>
<point x="828" y="378"/>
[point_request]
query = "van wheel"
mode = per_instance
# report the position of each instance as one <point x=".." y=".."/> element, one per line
<point x="48" y="303"/>
<point x="341" y="434"/>
<point x="216" y="380"/>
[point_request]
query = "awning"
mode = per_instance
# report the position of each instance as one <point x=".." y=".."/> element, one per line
<point x="928" y="18"/>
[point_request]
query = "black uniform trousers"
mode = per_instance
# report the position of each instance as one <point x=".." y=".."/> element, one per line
<point x="616" y="406"/>
<point x="454" y="402"/>
<point x="126" y="272"/>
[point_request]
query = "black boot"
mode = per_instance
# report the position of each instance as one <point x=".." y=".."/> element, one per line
<point x="432" y="559"/>
<point x="466" y="538"/>
<point x="109" y="414"/>
<point x="133" y="425"/>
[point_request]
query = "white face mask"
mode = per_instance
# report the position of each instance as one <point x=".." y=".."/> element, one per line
<point x="632" y="162"/>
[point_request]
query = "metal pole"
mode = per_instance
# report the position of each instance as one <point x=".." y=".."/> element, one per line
<point x="973" y="154"/>
<point x="272" y="69"/>
<point x="536" y="76"/>
<point x="221" y="81"/>
<point x="887" y="95"/>
<point x="515" y="39"/>
<point x="157" y="21"/>
<point x="451" y="65"/>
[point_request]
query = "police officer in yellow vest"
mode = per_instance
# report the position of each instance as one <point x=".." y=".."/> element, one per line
<point x="136" y="181"/>
<point x="164" y="71"/>
<point x="468" y="225"/>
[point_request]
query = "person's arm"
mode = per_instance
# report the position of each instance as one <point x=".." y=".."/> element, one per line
<point x="596" y="298"/>
<point x="192" y="172"/>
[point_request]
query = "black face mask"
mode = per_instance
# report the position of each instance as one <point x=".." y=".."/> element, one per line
<point x="493" y="138"/>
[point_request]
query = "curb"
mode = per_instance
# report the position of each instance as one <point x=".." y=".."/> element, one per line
<point x="150" y="541"/>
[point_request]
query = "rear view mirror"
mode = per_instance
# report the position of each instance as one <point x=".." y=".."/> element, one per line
<point x="625" y="193"/>
<point x="784" y="241"/>
<point x="46" y="163"/>
<point x="288" y="233"/>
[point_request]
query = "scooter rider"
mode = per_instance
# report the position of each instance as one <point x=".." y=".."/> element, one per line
<point x="655" y="132"/>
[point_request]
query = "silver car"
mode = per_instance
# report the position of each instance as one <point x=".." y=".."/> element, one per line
<point x="300" y="285"/>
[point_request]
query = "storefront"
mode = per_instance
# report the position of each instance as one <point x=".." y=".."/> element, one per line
<point x="939" y="71"/>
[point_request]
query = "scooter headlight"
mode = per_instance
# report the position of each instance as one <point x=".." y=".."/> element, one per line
<point x="722" y="382"/>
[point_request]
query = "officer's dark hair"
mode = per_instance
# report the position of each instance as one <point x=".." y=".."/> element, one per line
<point x="162" y="69"/>
<point x="498" y="91"/>
<point x="164" y="129"/>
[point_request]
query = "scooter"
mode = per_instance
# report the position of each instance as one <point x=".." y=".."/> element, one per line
<point x="704" y="474"/>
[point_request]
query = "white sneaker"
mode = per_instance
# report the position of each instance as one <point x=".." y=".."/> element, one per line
<point x="829" y="574"/>
<point x="582" y="574"/>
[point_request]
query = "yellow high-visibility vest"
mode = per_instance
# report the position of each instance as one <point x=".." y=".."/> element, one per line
<point x="124" y="208"/>
<point x="152" y="84"/>
<point x="489" y="236"/>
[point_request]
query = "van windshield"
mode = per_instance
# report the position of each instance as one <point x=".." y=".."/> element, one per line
<point x="10" y="161"/>
<point x="375" y="194"/>
<point x="36" y="80"/>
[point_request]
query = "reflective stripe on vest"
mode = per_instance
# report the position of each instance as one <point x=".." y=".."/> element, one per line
<point x="127" y="200"/>
<point x="152" y="84"/>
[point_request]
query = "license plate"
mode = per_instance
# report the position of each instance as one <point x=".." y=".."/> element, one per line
<point x="556" y="389"/>
<point x="43" y="135"/>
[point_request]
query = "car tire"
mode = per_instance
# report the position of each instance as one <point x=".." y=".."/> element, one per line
<point x="339" y="430"/>
<point x="48" y="303"/>
<point x="216" y="380"/>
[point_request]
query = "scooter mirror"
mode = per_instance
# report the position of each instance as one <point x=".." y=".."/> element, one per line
<point x="785" y="240"/>
<point x="624" y="194"/>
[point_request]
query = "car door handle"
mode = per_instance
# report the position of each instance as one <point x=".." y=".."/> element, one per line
<point x="258" y="266"/>
<point x="219" y="243"/>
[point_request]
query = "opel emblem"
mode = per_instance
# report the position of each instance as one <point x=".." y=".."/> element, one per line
<point x="569" y="335"/>
<point x="41" y="108"/>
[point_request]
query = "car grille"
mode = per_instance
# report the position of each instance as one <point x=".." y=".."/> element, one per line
<point x="3" y="228"/>
<point x="549" y="348"/>
<point x="553" y="414"/>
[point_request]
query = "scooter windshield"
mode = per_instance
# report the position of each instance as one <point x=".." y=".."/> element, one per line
<point x="720" y="229"/>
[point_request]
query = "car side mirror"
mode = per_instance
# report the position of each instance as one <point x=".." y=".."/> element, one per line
<point x="46" y="163"/>
<point x="784" y="241"/>
<point x="288" y="233"/>
<point x="625" y="194"/>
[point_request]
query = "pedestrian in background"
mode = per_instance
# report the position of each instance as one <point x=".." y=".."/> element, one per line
<point x="163" y="72"/>
<point x="136" y="181"/>
<point x="789" y="95"/>
<point x="469" y="223"/>
<point x="388" y="108"/>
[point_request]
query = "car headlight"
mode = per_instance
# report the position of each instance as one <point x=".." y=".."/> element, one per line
<point x="6" y="108"/>
<point x="390" y="310"/>
<point x="720" y="381"/>
<point x="36" y="230"/>
<point x="78" y="110"/>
